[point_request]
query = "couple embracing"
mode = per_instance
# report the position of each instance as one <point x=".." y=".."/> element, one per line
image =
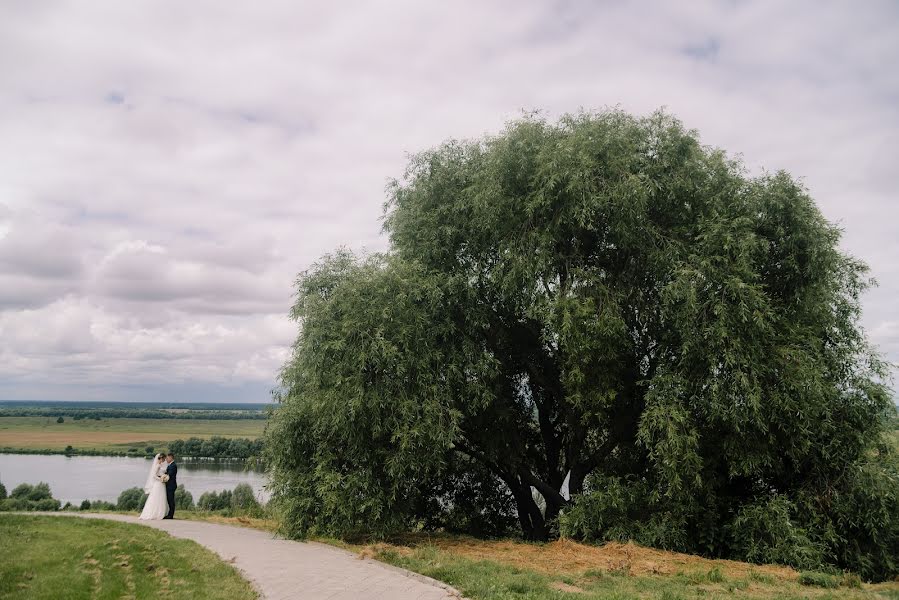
<point x="161" y="485"/>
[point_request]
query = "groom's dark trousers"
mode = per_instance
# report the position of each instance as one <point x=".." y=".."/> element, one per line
<point x="170" y="486"/>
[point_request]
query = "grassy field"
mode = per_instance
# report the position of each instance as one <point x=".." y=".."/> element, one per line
<point x="60" y="558"/>
<point x="40" y="433"/>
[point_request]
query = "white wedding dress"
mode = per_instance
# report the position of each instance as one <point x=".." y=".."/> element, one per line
<point x="157" y="506"/>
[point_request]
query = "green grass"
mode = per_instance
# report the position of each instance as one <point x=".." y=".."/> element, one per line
<point x="490" y="580"/>
<point x="64" y="558"/>
<point x="44" y="433"/>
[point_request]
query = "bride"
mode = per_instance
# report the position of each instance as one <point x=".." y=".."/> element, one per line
<point x="156" y="506"/>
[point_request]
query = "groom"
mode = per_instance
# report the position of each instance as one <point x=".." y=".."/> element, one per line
<point x="172" y="484"/>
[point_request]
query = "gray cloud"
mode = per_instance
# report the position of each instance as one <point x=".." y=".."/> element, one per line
<point x="167" y="168"/>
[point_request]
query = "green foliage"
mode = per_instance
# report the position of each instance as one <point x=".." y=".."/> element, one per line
<point x="100" y="505"/>
<point x="32" y="493"/>
<point x="822" y="580"/>
<point x="466" y="499"/>
<point x="30" y="497"/>
<point x="2" y="491"/>
<point x="213" y="501"/>
<point x="616" y="509"/>
<point x="243" y="499"/>
<point x="85" y="505"/>
<point x="216" y="447"/>
<point x="60" y="420"/>
<point x="767" y="531"/>
<point x="183" y="499"/>
<point x="600" y="299"/>
<point x="131" y="499"/>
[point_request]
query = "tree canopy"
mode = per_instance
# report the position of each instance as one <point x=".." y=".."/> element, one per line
<point x="597" y="324"/>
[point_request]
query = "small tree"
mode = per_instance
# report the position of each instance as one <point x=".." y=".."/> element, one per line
<point x="2" y="491"/>
<point x="243" y="499"/>
<point x="208" y="501"/>
<point x="130" y="499"/>
<point x="60" y="420"/>
<point x="21" y="491"/>
<point x="85" y="505"/>
<point x="183" y="499"/>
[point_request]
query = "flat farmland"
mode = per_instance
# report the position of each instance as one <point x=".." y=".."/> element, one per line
<point x="44" y="433"/>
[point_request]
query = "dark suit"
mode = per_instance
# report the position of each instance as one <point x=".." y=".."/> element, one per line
<point x="170" y="486"/>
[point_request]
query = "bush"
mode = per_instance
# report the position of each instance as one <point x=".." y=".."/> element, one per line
<point x="213" y="501"/>
<point x="130" y="499"/>
<point x="30" y="497"/>
<point x="2" y="492"/>
<point x="102" y="505"/>
<point x="183" y="499"/>
<point x="32" y="493"/>
<point x="45" y="504"/>
<point x="243" y="499"/>
<point x="765" y="532"/>
<point x="14" y="504"/>
<point x="60" y="420"/>
<point x="821" y="580"/>
<point x="85" y="505"/>
<point x="467" y="499"/>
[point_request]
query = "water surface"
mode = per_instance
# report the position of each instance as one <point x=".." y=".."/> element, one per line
<point x="76" y="478"/>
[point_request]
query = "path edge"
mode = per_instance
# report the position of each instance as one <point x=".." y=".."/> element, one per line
<point x="405" y="572"/>
<point x="399" y="570"/>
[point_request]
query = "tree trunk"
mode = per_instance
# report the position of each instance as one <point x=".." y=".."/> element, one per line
<point x="533" y="525"/>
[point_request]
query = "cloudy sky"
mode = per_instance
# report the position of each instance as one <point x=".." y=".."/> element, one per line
<point x="166" y="168"/>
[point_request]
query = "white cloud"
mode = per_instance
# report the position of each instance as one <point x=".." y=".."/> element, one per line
<point x="166" y="168"/>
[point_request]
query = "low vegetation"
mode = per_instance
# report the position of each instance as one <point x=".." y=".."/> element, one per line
<point x="48" y="558"/>
<point x="564" y="569"/>
<point x="25" y="497"/>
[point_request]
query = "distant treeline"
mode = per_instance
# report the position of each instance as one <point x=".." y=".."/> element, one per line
<point x="216" y="447"/>
<point x="100" y="410"/>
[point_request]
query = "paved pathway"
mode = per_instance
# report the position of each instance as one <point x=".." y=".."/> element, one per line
<point x="284" y="569"/>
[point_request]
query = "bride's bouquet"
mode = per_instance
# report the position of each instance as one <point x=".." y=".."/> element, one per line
<point x="163" y="478"/>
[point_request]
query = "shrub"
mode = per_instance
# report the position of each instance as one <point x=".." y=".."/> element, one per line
<point x="102" y="505"/>
<point x="215" y="500"/>
<point x="130" y="499"/>
<point x="822" y="580"/>
<point x="2" y="491"/>
<point x="45" y="504"/>
<point x="183" y="498"/>
<point x="765" y="532"/>
<point x="85" y="505"/>
<point x="30" y="497"/>
<point x="243" y="499"/>
<point x="468" y="499"/>
<point x="60" y="420"/>
<point x="32" y="493"/>
<point x="14" y="504"/>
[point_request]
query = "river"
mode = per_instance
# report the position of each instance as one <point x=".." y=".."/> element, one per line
<point x="76" y="478"/>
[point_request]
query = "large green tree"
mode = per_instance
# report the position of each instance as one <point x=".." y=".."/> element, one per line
<point x="600" y="317"/>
